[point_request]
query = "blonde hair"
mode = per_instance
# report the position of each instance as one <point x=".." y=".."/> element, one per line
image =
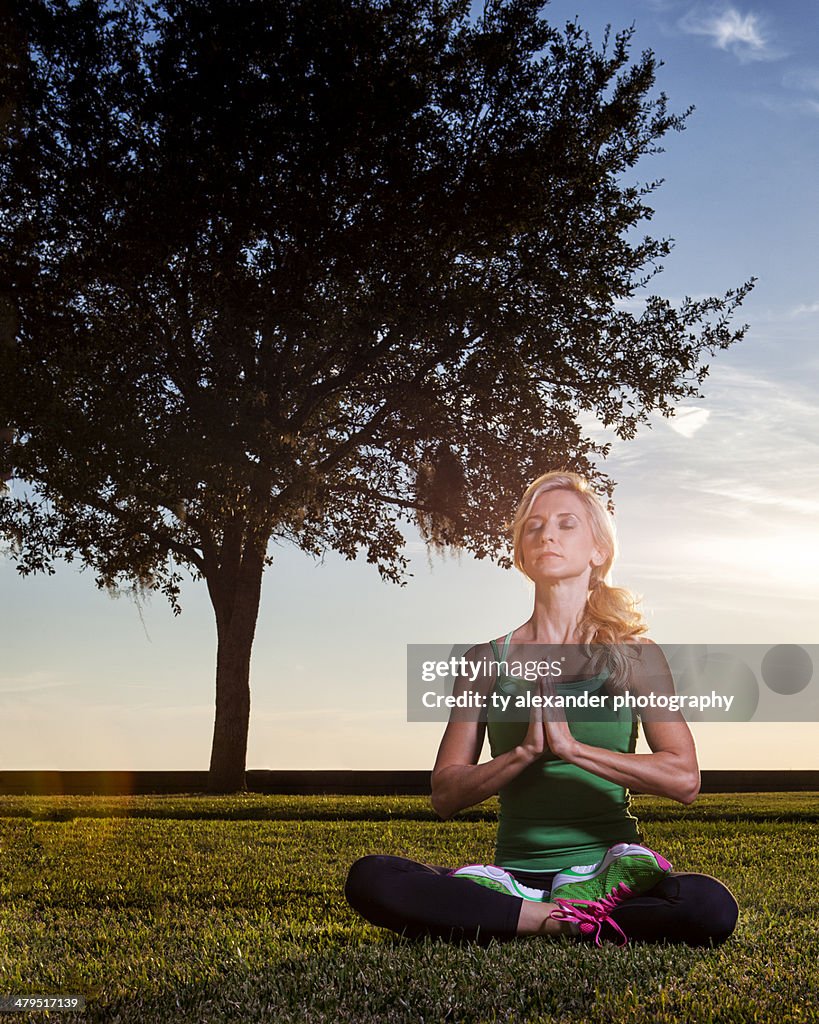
<point x="611" y="616"/>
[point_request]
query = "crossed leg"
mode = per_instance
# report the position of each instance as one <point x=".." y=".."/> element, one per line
<point x="418" y="900"/>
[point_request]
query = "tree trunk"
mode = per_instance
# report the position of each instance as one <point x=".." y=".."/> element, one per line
<point x="235" y="592"/>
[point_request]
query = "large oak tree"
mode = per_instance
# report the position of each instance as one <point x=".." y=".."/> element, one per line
<point x="310" y="270"/>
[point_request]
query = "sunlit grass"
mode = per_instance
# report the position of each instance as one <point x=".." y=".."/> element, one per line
<point x="231" y="909"/>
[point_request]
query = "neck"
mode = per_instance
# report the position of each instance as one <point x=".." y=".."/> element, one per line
<point x="558" y="609"/>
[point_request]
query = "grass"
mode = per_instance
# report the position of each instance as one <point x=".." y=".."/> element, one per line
<point x="231" y="909"/>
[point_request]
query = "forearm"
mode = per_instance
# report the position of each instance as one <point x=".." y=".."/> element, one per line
<point x="663" y="773"/>
<point x="457" y="786"/>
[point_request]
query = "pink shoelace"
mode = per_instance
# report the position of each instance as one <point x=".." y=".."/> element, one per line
<point x="591" y="915"/>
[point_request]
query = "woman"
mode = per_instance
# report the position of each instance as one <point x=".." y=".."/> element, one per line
<point x="563" y="780"/>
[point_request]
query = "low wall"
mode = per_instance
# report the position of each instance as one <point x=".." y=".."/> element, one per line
<point x="375" y="783"/>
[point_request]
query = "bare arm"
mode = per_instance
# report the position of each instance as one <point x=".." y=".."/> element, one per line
<point x="670" y="769"/>
<point x="458" y="781"/>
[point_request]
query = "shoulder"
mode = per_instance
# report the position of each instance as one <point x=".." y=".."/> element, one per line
<point x="481" y="651"/>
<point x="480" y="668"/>
<point x="487" y="650"/>
<point x="650" y="671"/>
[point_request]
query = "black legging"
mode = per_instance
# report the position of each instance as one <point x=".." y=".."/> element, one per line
<point x="418" y="900"/>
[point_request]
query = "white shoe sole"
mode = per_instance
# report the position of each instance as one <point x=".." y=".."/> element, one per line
<point x="499" y="877"/>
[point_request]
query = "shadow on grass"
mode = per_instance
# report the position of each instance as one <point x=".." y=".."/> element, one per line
<point x="395" y="982"/>
<point x="745" y="807"/>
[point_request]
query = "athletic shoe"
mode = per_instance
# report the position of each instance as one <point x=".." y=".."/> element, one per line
<point x="590" y="916"/>
<point x="627" y="870"/>
<point x="501" y="881"/>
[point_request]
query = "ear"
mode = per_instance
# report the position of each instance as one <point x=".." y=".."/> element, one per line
<point x="598" y="557"/>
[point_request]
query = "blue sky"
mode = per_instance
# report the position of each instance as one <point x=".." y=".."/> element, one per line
<point x="717" y="510"/>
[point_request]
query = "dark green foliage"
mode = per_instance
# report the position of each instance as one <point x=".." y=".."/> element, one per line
<point x="268" y="258"/>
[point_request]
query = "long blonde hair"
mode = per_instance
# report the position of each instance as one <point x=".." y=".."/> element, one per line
<point x="611" y="616"/>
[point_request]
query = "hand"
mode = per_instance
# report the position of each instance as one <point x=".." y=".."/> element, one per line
<point x="556" y="730"/>
<point x="534" y="743"/>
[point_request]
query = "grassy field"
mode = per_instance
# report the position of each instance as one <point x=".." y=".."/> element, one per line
<point x="207" y="909"/>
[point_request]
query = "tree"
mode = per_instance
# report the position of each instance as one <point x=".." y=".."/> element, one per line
<point x="307" y="270"/>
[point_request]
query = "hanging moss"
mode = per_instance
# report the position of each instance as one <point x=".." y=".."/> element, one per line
<point x="440" y="486"/>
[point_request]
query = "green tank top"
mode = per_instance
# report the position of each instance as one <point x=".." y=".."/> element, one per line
<point x="554" y="814"/>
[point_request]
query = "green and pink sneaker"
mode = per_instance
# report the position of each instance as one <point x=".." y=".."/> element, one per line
<point x="589" y="917"/>
<point x="493" y="877"/>
<point x="627" y="869"/>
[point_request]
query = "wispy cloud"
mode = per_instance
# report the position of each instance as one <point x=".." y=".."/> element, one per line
<point x="789" y="105"/>
<point x="744" y="35"/>
<point x="806" y="309"/>
<point x="804" y="82"/>
<point x="687" y="420"/>
<point x="636" y="304"/>
<point x="749" y="494"/>
<point x="731" y="511"/>
<point x="30" y="682"/>
<point x="803" y="79"/>
<point x="663" y="6"/>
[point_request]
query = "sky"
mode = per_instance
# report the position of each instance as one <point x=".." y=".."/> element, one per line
<point x="717" y="509"/>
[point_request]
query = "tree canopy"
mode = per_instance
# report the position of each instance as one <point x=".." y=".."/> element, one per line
<point x="312" y="270"/>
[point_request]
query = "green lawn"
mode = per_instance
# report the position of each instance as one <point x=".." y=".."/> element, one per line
<point x="231" y="909"/>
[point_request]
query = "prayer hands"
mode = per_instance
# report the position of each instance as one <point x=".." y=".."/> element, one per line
<point x="548" y="727"/>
